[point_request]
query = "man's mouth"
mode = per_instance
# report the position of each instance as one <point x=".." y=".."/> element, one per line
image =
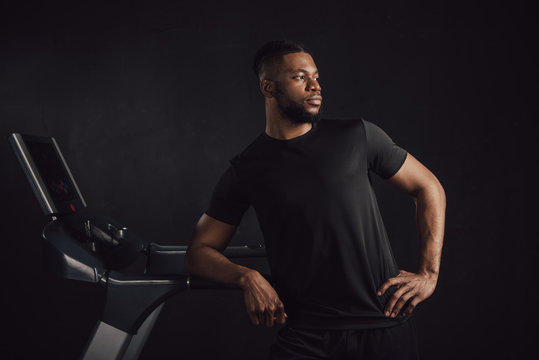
<point x="314" y="100"/>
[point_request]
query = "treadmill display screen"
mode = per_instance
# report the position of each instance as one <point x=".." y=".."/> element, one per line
<point x="52" y="172"/>
<point x="48" y="174"/>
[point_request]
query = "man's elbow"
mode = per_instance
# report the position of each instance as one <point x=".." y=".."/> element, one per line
<point x="431" y="191"/>
<point x="195" y="255"/>
<point x="441" y="194"/>
<point x="438" y="191"/>
<point x="189" y="260"/>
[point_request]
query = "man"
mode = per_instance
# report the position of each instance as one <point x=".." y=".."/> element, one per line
<point x="337" y="286"/>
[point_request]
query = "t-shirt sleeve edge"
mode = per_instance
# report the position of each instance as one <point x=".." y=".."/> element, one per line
<point x="227" y="221"/>
<point x="398" y="165"/>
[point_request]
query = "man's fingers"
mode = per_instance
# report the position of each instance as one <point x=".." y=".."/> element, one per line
<point x="268" y="317"/>
<point x="411" y="289"/>
<point x="269" y="313"/>
<point x="263" y="304"/>
<point x="390" y="282"/>
<point x="280" y="315"/>
<point x="275" y="314"/>
<point x="411" y="305"/>
<point x="394" y="298"/>
<point x="283" y="318"/>
<point x="400" y="303"/>
<point x="257" y="314"/>
<point x="263" y="317"/>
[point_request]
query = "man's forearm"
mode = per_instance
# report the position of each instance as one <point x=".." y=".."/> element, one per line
<point x="209" y="263"/>
<point x="261" y="301"/>
<point x="430" y="216"/>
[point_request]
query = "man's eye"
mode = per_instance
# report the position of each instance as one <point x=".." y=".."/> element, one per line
<point x="301" y="77"/>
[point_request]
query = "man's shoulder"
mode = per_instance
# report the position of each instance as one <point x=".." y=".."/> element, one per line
<point x="346" y="125"/>
<point x="341" y="122"/>
<point x="251" y="152"/>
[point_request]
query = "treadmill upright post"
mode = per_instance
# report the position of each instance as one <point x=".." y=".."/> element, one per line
<point x="110" y="343"/>
<point x="106" y="342"/>
<point x="137" y="342"/>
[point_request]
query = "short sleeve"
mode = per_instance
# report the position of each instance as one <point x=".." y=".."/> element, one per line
<point x="385" y="158"/>
<point x="228" y="202"/>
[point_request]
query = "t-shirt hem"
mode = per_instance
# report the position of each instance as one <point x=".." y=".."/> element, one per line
<point x="349" y="323"/>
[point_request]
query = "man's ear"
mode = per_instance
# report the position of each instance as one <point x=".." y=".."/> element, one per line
<point x="267" y="87"/>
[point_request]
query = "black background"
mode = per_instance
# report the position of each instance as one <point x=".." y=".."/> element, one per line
<point x="149" y="100"/>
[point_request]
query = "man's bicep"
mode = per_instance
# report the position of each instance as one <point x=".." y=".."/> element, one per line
<point x="212" y="232"/>
<point x="412" y="176"/>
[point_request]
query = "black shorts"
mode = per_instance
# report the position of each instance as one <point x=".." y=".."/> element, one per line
<point x="391" y="343"/>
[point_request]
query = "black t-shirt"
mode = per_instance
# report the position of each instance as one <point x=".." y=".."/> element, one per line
<point x="326" y="243"/>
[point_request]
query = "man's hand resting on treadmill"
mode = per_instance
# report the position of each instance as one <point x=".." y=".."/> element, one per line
<point x="204" y="258"/>
<point x="261" y="300"/>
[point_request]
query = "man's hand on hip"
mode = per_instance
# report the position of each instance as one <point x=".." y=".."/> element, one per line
<point x="261" y="300"/>
<point x="415" y="286"/>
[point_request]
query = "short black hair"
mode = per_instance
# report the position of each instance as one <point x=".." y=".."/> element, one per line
<point x="274" y="50"/>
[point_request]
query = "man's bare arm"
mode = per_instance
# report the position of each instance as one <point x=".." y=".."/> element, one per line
<point x="429" y="197"/>
<point x="204" y="258"/>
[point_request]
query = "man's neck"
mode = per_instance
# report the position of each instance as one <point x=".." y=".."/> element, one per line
<point x="282" y="128"/>
<point x="285" y="131"/>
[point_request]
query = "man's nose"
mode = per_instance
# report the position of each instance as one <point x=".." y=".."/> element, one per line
<point x="314" y="85"/>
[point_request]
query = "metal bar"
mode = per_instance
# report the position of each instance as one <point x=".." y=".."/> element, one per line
<point x="30" y="169"/>
<point x="137" y="342"/>
<point x="106" y="343"/>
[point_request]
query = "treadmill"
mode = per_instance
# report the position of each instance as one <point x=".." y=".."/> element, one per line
<point x="83" y="246"/>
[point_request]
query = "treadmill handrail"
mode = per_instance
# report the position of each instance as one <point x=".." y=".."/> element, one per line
<point x="230" y="251"/>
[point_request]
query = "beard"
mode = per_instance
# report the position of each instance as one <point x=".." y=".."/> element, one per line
<point x="296" y="113"/>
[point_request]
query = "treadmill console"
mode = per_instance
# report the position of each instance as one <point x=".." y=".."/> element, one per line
<point x="48" y="174"/>
<point x="79" y="244"/>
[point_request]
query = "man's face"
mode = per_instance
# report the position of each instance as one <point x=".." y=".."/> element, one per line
<point x="297" y="91"/>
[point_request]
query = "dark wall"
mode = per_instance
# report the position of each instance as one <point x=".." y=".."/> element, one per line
<point x="149" y="100"/>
